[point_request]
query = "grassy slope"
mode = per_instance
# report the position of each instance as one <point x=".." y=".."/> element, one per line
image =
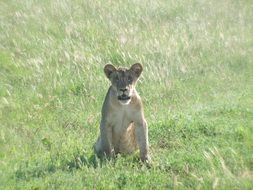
<point x="197" y="91"/>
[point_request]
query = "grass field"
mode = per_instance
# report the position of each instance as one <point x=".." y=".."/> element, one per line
<point x="197" y="89"/>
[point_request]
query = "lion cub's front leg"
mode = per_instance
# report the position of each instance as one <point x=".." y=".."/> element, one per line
<point x="103" y="145"/>
<point x="141" y="133"/>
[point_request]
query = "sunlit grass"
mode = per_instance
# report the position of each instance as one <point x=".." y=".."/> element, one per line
<point x="196" y="88"/>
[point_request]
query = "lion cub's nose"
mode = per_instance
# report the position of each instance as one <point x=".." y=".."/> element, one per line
<point x="123" y="90"/>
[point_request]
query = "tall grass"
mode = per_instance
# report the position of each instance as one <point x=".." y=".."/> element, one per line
<point x="196" y="88"/>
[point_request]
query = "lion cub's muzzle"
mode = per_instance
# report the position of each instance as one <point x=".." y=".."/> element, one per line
<point x="124" y="97"/>
<point x="123" y="94"/>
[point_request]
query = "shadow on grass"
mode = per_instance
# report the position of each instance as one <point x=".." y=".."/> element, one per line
<point x="80" y="161"/>
<point x="39" y="168"/>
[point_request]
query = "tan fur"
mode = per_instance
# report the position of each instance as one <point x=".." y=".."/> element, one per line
<point x="123" y="127"/>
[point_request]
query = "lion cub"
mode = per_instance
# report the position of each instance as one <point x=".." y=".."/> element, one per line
<point x="123" y="127"/>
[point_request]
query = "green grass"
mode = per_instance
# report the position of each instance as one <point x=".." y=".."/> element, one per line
<point x="197" y="89"/>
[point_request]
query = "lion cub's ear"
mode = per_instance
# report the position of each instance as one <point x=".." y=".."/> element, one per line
<point x="109" y="69"/>
<point x="137" y="69"/>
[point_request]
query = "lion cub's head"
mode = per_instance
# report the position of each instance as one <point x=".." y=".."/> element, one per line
<point x="123" y="80"/>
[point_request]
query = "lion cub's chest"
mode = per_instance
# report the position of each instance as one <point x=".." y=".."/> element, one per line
<point x="121" y="118"/>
